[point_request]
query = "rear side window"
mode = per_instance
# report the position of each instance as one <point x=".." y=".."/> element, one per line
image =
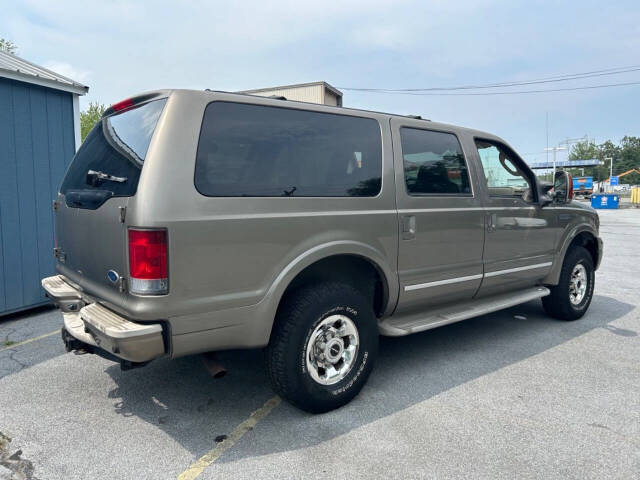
<point x="433" y="163"/>
<point x="109" y="162"/>
<point x="260" y="151"/>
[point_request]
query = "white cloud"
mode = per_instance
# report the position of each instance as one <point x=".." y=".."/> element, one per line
<point x="68" y="70"/>
<point x="120" y="47"/>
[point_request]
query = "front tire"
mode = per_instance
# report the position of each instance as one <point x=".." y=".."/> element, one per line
<point x="323" y="346"/>
<point x="570" y="299"/>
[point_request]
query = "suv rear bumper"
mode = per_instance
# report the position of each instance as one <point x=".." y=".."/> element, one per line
<point x="95" y="325"/>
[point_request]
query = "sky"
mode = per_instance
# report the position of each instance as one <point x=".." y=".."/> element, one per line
<point x="120" y="48"/>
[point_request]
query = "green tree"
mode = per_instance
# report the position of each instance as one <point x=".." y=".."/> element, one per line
<point x="89" y="117"/>
<point x="8" y="46"/>
<point x="626" y="156"/>
<point x="587" y="150"/>
<point x="583" y="151"/>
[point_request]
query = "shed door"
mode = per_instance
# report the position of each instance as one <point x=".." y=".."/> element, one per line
<point x="36" y="145"/>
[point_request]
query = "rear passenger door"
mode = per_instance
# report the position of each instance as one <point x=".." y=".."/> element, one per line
<point x="441" y="218"/>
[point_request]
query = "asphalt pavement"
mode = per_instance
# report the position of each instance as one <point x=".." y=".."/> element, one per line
<point x="514" y="394"/>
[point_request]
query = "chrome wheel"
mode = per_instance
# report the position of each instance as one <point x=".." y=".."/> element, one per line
<point x="332" y="349"/>
<point x="578" y="284"/>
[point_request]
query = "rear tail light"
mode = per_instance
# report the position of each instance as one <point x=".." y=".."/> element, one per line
<point x="148" y="262"/>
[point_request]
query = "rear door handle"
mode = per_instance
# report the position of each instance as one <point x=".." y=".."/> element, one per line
<point x="491" y="222"/>
<point x="408" y="227"/>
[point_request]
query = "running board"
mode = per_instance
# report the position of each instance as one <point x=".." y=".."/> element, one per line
<point x="397" y="326"/>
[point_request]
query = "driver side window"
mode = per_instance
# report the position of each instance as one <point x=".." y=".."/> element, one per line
<point x="503" y="176"/>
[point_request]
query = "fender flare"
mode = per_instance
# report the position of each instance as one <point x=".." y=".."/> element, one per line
<point x="275" y="292"/>
<point x="553" y="277"/>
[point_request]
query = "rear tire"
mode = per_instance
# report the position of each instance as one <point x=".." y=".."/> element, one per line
<point x="570" y="299"/>
<point x="323" y="346"/>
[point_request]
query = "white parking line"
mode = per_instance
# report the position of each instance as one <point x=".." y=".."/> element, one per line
<point x="24" y="342"/>
<point x="207" y="459"/>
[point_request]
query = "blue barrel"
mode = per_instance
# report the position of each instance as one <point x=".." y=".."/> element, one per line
<point x="605" y="200"/>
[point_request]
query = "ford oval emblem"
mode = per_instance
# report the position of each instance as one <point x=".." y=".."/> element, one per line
<point x="113" y="276"/>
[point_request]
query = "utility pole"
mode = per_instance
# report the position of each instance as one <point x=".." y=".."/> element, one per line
<point x="610" y="170"/>
<point x="547" y="128"/>
<point x="554" y="150"/>
<point x="571" y="141"/>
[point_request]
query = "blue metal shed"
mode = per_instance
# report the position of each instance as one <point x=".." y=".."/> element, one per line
<point x="39" y="134"/>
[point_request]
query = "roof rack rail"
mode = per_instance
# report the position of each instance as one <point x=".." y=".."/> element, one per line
<point x="418" y="117"/>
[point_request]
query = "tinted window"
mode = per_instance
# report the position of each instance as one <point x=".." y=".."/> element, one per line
<point x="110" y="159"/>
<point x="504" y="177"/>
<point x="251" y="150"/>
<point x="433" y="163"/>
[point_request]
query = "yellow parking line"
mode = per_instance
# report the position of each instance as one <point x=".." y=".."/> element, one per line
<point x="24" y="342"/>
<point x="207" y="459"/>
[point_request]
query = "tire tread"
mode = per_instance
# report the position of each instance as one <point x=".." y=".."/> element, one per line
<point x="557" y="303"/>
<point x="290" y="315"/>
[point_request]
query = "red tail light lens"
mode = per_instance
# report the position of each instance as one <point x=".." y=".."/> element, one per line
<point x="122" y="105"/>
<point x="148" y="262"/>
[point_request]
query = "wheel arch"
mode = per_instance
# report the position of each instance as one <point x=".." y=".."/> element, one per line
<point x="338" y="258"/>
<point x="581" y="235"/>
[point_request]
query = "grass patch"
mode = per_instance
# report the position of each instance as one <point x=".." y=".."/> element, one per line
<point x="8" y="343"/>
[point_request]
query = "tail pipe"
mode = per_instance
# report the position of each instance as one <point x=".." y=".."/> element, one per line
<point x="215" y="368"/>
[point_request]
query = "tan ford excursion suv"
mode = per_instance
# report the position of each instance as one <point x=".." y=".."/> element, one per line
<point x="196" y="221"/>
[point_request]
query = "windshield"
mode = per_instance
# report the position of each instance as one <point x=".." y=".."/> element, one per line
<point x="110" y="160"/>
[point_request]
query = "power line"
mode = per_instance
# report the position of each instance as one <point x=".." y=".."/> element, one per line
<point x="591" y="87"/>
<point x="556" y="78"/>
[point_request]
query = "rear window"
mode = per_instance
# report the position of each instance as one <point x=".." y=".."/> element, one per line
<point x="109" y="162"/>
<point x="252" y="150"/>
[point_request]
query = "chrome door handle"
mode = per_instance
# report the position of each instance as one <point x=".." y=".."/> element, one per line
<point x="408" y="227"/>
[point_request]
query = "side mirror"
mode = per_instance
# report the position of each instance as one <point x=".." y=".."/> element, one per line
<point x="544" y="197"/>
<point x="562" y="187"/>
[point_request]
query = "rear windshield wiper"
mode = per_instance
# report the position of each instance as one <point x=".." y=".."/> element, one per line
<point x="95" y="178"/>
<point x="90" y="199"/>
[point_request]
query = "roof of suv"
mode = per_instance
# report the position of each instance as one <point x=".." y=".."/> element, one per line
<point x="316" y="106"/>
<point x="279" y="101"/>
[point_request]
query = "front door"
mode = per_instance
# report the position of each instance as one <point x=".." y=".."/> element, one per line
<point x="519" y="244"/>
<point x="441" y="218"/>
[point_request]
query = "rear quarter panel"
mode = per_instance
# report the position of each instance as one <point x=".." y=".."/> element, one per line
<point x="230" y="259"/>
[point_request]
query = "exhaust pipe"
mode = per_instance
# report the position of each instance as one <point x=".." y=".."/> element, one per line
<point x="215" y="368"/>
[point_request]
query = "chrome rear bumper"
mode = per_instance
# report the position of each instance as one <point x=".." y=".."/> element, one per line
<point x="93" y="324"/>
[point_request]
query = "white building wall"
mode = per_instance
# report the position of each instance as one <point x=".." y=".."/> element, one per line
<point x="330" y="98"/>
<point x="312" y="93"/>
<point x="76" y="121"/>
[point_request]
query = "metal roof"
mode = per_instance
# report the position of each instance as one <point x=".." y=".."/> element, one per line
<point x="297" y="85"/>
<point x="17" y="68"/>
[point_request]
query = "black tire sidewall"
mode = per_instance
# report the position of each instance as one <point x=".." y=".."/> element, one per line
<point x="579" y="256"/>
<point x="313" y="396"/>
